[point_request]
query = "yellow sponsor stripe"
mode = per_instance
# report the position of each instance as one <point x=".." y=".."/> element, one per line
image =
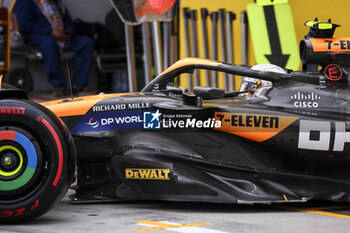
<point x="151" y="169"/>
<point x="145" y="178"/>
<point x="162" y="226"/>
<point x="147" y="174"/>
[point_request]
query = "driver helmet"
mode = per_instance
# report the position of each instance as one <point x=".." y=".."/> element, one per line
<point x="259" y="87"/>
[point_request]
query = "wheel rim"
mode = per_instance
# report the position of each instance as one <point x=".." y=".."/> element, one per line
<point x="11" y="160"/>
<point x="18" y="160"/>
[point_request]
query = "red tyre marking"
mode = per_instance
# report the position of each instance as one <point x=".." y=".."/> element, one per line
<point x="12" y="110"/>
<point x="35" y="205"/>
<point x="9" y="213"/>
<point x="59" y="147"/>
<point x="7" y="135"/>
<point x="20" y="212"/>
<point x="6" y="213"/>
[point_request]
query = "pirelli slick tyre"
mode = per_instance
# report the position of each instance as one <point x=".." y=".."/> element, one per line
<point x="37" y="160"/>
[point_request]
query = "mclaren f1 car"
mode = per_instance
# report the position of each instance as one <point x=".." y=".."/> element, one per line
<point x="283" y="137"/>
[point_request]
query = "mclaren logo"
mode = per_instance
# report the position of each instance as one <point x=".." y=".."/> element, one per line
<point x="147" y="174"/>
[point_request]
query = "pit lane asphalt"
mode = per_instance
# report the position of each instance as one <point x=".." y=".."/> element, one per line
<point x="186" y="217"/>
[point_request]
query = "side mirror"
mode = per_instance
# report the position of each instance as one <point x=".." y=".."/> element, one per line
<point x="209" y="92"/>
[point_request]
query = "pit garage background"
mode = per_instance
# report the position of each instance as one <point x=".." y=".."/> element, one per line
<point x="302" y="11"/>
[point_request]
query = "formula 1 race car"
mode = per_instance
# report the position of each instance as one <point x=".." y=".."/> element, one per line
<point x="283" y="137"/>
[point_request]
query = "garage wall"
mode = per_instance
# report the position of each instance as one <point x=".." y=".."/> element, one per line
<point x="302" y="11"/>
<point x="89" y="10"/>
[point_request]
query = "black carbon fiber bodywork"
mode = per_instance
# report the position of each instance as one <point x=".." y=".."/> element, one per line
<point x="162" y="144"/>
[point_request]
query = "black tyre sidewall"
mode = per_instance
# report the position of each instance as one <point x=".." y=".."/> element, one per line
<point x="49" y="131"/>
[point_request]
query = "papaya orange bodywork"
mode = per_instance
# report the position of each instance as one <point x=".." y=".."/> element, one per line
<point x="76" y="106"/>
<point x="341" y="44"/>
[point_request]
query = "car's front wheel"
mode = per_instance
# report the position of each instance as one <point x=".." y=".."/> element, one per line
<point x="37" y="160"/>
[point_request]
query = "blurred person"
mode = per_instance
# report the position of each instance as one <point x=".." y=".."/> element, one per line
<point x="47" y="25"/>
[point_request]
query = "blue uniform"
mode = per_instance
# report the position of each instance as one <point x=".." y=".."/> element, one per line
<point x="36" y="30"/>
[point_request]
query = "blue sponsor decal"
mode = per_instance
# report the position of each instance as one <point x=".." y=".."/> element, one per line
<point x="109" y="121"/>
<point x="151" y="119"/>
